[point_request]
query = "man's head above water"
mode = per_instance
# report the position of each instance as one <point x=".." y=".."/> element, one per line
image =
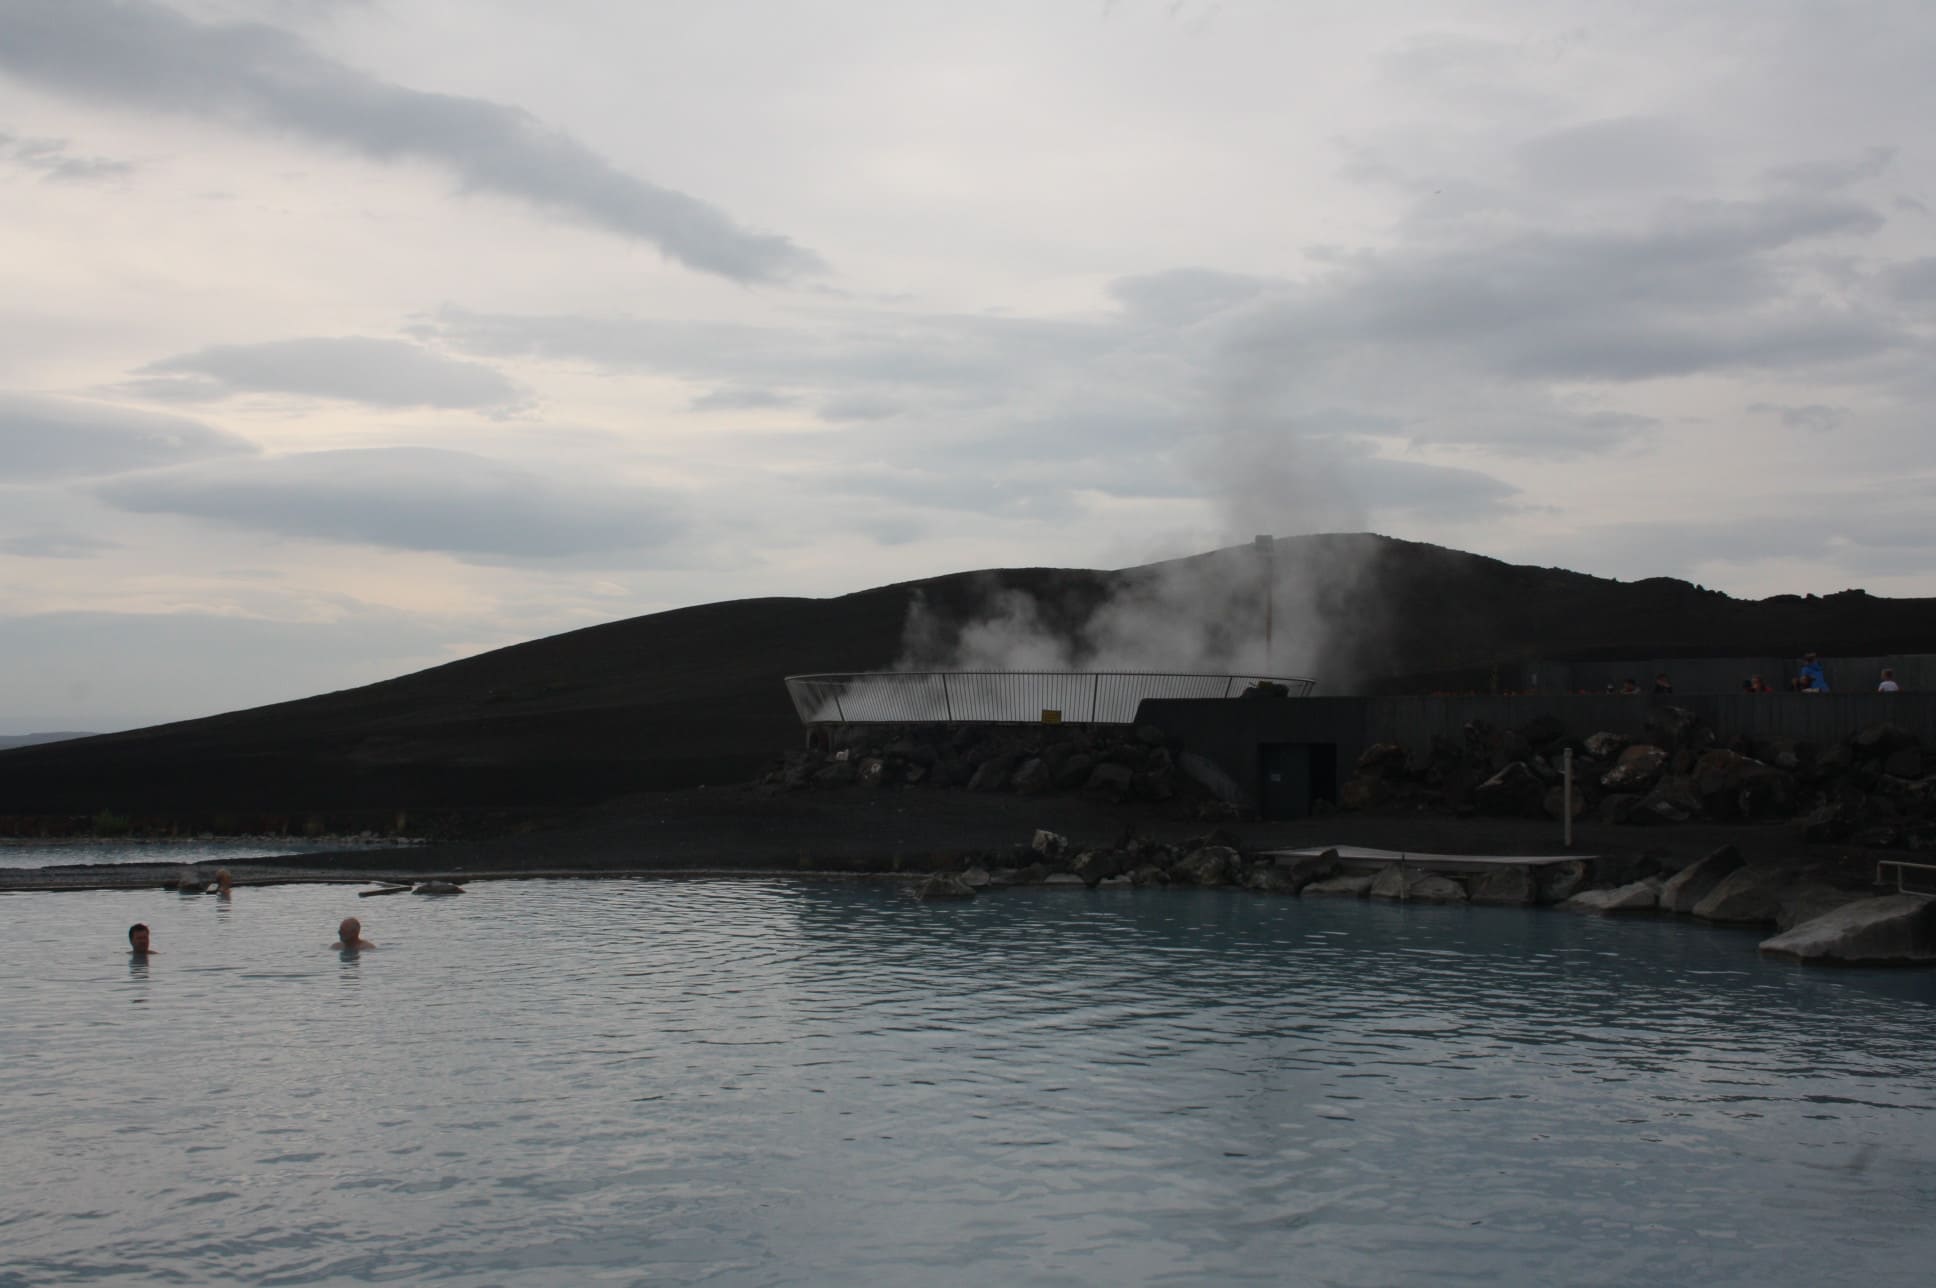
<point x="349" y="934"/>
<point x="138" y="939"/>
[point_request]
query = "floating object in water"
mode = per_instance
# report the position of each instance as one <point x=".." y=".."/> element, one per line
<point x="390" y="889"/>
<point x="438" y="887"/>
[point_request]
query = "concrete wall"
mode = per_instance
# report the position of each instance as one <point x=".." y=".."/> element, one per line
<point x="1230" y="732"/>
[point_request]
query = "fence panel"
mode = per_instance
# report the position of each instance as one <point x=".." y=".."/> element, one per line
<point x="1005" y="697"/>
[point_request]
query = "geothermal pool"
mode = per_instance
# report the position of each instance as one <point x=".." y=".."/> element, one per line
<point x="759" y="1082"/>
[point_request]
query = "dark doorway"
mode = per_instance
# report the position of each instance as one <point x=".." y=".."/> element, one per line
<point x="1294" y="776"/>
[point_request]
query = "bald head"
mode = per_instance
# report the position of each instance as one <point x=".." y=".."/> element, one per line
<point x="349" y="934"/>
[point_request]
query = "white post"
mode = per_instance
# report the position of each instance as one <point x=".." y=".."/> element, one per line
<point x="1566" y="804"/>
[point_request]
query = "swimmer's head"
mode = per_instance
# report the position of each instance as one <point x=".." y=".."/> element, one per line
<point x="350" y="931"/>
<point x="138" y="937"/>
<point x="222" y="878"/>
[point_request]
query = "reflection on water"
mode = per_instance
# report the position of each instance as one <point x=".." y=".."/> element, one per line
<point x="750" y="1082"/>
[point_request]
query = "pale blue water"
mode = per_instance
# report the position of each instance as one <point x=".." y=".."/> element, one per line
<point x="765" y="1082"/>
<point x="38" y="853"/>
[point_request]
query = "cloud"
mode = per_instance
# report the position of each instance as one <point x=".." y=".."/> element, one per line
<point x="1615" y="154"/>
<point x="410" y="498"/>
<point x="50" y="438"/>
<point x="144" y="57"/>
<point x="378" y="373"/>
<point x="740" y="398"/>
<point x="1832" y="176"/>
<point x="56" y="164"/>
<point x="56" y="545"/>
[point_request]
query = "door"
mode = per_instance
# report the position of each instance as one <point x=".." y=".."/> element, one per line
<point x="1293" y="776"/>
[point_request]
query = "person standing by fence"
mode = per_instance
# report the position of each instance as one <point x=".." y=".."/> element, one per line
<point x="1888" y="684"/>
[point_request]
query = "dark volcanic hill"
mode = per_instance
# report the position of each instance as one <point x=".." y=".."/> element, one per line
<point x="694" y="695"/>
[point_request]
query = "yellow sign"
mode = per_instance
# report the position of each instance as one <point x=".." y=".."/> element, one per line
<point x="1051" y="716"/>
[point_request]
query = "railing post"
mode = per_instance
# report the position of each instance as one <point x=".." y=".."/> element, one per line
<point x="838" y="709"/>
<point x="947" y="699"/>
<point x="1095" y="692"/>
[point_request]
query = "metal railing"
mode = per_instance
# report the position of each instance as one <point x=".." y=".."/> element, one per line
<point x="1903" y="867"/>
<point x="1006" y="697"/>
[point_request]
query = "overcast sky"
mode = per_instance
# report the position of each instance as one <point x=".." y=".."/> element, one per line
<point x="342" y="339"/>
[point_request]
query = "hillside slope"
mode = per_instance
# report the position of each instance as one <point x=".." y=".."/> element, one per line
<point x="695" y="696"/>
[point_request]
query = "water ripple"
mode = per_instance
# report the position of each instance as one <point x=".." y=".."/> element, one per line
<point x="769" y="1082"/>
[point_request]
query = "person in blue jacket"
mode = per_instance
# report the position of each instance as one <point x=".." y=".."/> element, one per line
<point x="1814" y="680"/>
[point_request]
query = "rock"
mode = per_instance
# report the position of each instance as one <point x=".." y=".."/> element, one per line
<point x="1556" y="801"/>
<point x="944" y="885"/>
<point x="1268" y="878"/>
<point x="1877" y="742"/>
<point x="1209" y="866"/>
<point x="1122" y="881"/>
<point x="1149" y="874"/>
<point x="838" y="774"/>
<point x="1560" y="881"/>
<point x="1348" y="887"/>
<point x="1150" y="735"/>
<point x="1095" y="866"/>
<point x="1409" y="885"/>
<point x="1637" y="769"/>
<point x="1382" y="760"/>
<point x="870" y="772"/>
<point x="1514" y="792"/>
<point x="1514" y="885"/>
<point x="1697" y="880"/>
<point x="1153" y="785"/>
<point x="1812" y="899"/>
<point x="1671" y="801"/>
<point x="1639" y="896"/>
<point x="992" y="774"/>
<point x="1748" y="896"/>
<point x="976" y="878"/>
<point x="1303" y="869"/>
<point x="1110" y="782"/>
<point x="1678" y="729"/>
<point x="1605" y="745"/>
<point x="1906" y="762"/>
<point x="1890" y="929"/>
<point x="1049" y="844"/>
<point x="1065" y="881"/>
<point x="1074" y="772"/>
<point x="1830" y="821"/>
<point x="1032" y="777"/>
<point x="1363" y="793"/>
<point x="1618" y="809"/>
<point x="437" y="887"/>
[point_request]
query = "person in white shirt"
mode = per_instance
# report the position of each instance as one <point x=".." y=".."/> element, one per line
<point x="1888" y="684"/>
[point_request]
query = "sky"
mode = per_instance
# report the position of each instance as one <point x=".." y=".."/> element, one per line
<point x="342" y="338"/>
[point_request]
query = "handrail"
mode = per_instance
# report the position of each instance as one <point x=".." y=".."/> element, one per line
<point x="1007" y="697"/>
<point x="1899" y="865"/>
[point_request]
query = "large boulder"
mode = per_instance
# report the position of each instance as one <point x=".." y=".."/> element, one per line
<point x="1697" y="880"/>
<point x="1033" y="777"/>
<point x="1514" y="792"/>
<point x="1301" y="870"/>
<point x="1637" y="769"/>
<point x="1110" y="782"/>
<point x="1408" y="884"/>
<point x="1877" y="741"/>
<point x="992" y="774"/>
<point x="1748" y="896"/>
<point x="944" y="885"/>
<point x="1364" y="792"/>
<point x="1678" y="729"/>
<point x="1671" y="801"/>
<point x="1560" y="881"/>
<point x="1807" y="900"/>
<point x="1095" y="866"/>
<point x="1605" y="744"/>
<point x="1639" y="896"/>
<point x="1267" y="878"/>
<point x="1557" y="801"/>
<point x="1209" y="866"/>
<point x="1511" y="884"/>
<point x="1347" y="887"/>
<point x="1890" y="929"/>
<point x="1382" y="760"/>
